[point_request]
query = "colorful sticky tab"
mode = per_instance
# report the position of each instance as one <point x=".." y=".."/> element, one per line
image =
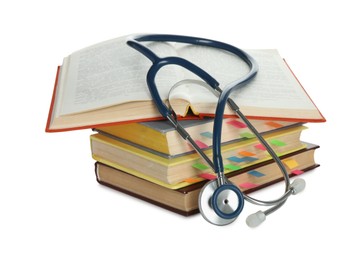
<point x="249" y="159"/>
<point x="297" y="172"/>
<point x="200" y="166"/>
<point x="277" y="142"/>
<point x="290" y="163"/>
<point x="236" y="124"/>
<point x="247" y="135"/>
<point x="206" y="134"/>
<point x="246" y="153"/>
<point x="235" y="159"/>
<point x="273" y="124"/>
<point x="260" y="147"/>
<point x="207" y="176"/>
<point x="200" y="144"/>
<point x="232" y="167"/>
<point x="242" y="159"/>
<point x="248" y="185"/>
<point x="256" y="173"/>
<point x="192" y="180"/>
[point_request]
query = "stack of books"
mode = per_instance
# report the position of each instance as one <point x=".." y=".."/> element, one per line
<point x="151" y="161"/>
<point x="103" y="87"/>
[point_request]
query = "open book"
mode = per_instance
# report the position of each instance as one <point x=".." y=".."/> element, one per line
<point x="106" y="84"/>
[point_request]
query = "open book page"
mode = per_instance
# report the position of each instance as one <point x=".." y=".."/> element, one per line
<point x="225" y="67"/>
<point x="274" y="87"/>
<point x="109" y="73"/>
<point x="99" y="78"/>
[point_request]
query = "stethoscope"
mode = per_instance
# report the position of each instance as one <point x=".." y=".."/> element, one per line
<point x="220" y="201"/>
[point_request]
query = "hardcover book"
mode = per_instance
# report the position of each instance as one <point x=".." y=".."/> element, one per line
<point x="176" y="170"/>
<point x="105" y="84"/>
<point x="162" y="137"/>
<point x="185" y="200"/>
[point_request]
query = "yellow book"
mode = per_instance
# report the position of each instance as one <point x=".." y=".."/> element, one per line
<point x="187" y="168"/>
<point x="162" y="137"/>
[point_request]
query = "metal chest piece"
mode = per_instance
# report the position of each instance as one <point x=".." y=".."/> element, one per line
<point x="220" y="206"/>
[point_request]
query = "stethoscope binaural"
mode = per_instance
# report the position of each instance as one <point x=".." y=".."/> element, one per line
<point x="220" y="201"/>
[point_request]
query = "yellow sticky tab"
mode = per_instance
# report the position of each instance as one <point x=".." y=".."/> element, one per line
<point x="290" y="163"/>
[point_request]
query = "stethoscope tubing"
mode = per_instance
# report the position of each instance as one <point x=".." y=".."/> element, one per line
<point x="223" y="99"/>
<point x="158" y="63"/>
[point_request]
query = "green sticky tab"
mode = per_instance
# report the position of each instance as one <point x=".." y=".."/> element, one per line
<point x="247" y="135"/>
<point x="277" y="142"/>
<point x="200" y="166"/>
<point x="232" y="167"/>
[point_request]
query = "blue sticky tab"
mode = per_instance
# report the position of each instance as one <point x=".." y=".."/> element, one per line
<point x="256" y="173"/>
<point x="241" y="159"/>
<point x="206" y="134"/>
<point x="249" y="159"/>
<point x="236" y="159"/>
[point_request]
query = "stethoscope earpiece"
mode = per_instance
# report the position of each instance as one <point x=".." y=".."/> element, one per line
<point x="298" y="185"/>
<point x="255" y="219"/>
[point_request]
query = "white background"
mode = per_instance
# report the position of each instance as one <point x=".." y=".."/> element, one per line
<point x="51" y="206"/>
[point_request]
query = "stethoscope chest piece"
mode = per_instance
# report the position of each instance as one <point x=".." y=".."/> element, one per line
<point x="220" y="205"/>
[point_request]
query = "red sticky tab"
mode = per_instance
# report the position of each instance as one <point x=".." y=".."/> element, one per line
<point x="236" y="124"/>
<point x="248" y="185"/>
<point x="200" y="144"/>
<point x="207" y="176"/>
<point x="297" y="172"/>
<point x="260" y="147"/>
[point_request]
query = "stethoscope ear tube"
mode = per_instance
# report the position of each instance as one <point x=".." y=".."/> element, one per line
<point x="161" y="62"/>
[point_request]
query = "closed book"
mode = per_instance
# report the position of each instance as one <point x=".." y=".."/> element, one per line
<point x="161" y="136"/>
<point x="185" y="200"/>
<point x="178" y="170"/>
